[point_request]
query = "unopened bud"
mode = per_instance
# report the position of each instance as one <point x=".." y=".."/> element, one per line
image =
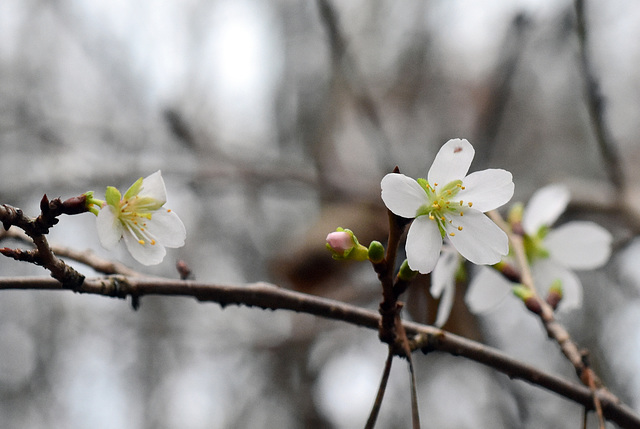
<point x="528" y="298"/>
<point x="344" y="245"/>
<point x="406" y="274"/>
<point x="509" y="271"/>
<point x="515" y="218"/>
<point x="554" y="296"/>
<point x="75" y="205"/>
<point x="376" y="252"/>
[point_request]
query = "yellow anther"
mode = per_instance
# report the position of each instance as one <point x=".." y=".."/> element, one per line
<point x="459" y="228"/>
<point x="141" y="242"/>
<point x="431" y="217"/>
<point x="168" y="210"/>
<point x="449" y="192"/>
<point x="462" y="187"/>
<point x="442" y="218"/>
<point x="452" y="234"/>
<point x="461" y="213"/>
<point x="435" y="184"/>
<point x="461" y="202"/>
<point x="470" y="204"/>
<point x="154" y="241"/>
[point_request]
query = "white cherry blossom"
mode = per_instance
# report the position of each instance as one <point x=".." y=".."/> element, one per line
<point x="553" y="253"/>
<point x="141" y="219"/>
<point x="451" y="204"/>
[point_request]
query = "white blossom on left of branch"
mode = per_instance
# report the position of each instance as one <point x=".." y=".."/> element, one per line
<point x="140" y="218"/>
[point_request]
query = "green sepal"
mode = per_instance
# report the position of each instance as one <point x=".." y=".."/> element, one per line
<point x="451" y="188"/>
<point x="534" y="245"/>
<point x="113" y="196"/>
<point x="133" y="189"/>
<point x="92" y="204"/>
<point x="425" y="185"/>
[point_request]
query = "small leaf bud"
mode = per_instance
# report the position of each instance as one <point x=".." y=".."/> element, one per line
<point x="515" y="218"/>
<point x="528" y="297"/>
<point x="376" y="252"/>
<point x="508" y="271"/>
<point x="555" y="294"/>
<point x="406" y="274"/>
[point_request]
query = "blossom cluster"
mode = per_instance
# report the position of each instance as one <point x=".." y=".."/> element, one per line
<point x="449" y="225"/>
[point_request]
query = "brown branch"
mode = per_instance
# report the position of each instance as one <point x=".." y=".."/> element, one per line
<point x="266" y="296"/>
<point x="375" y="410"/>
<point x="36" y="230"/>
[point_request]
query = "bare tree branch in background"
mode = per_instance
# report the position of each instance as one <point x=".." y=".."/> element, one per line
<point x="596" y="104"/>
<point x="346" y="67"/>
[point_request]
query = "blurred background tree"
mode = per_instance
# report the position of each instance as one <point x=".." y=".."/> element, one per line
<point x="273" y="123"/>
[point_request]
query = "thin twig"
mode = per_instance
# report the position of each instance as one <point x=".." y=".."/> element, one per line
<point x="595" y="104"/>
<point x="375" y="410"/>
<point x="402" y="335"/>
<point x="346" y="66"/>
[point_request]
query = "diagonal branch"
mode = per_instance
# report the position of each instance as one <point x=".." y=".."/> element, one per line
<point x="267" y="296"/>
<point x="596" y="104"/>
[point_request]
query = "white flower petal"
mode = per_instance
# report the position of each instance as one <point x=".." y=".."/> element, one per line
<point x="443" y="283"/>
<point x="487" y="189"/>
<point x="167" y="228"/>
<point x="445" y="305"/>
<point x="580" y="245"/>
<point x="451" y="163"/>
<point x="402" y="195"/>
<point x="146" y="254"/>
<point x="480" y="241"/>
<point x="546" y="271"/>
<point x="423" y="245"/>
<point x="153" y="187"/>
<point x="109" y="227"/>
<point x="545" y="207"/>
<point x="445" y="270"/>
<point x="487" y="289"/>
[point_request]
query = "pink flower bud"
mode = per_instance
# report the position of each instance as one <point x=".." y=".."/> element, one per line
<point x="340" y="241"/>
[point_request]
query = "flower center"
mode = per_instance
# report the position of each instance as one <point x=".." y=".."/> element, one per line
<point x="443" y="206"/>
<point x="134" y="214"/>
<point x="534" y="245"/>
